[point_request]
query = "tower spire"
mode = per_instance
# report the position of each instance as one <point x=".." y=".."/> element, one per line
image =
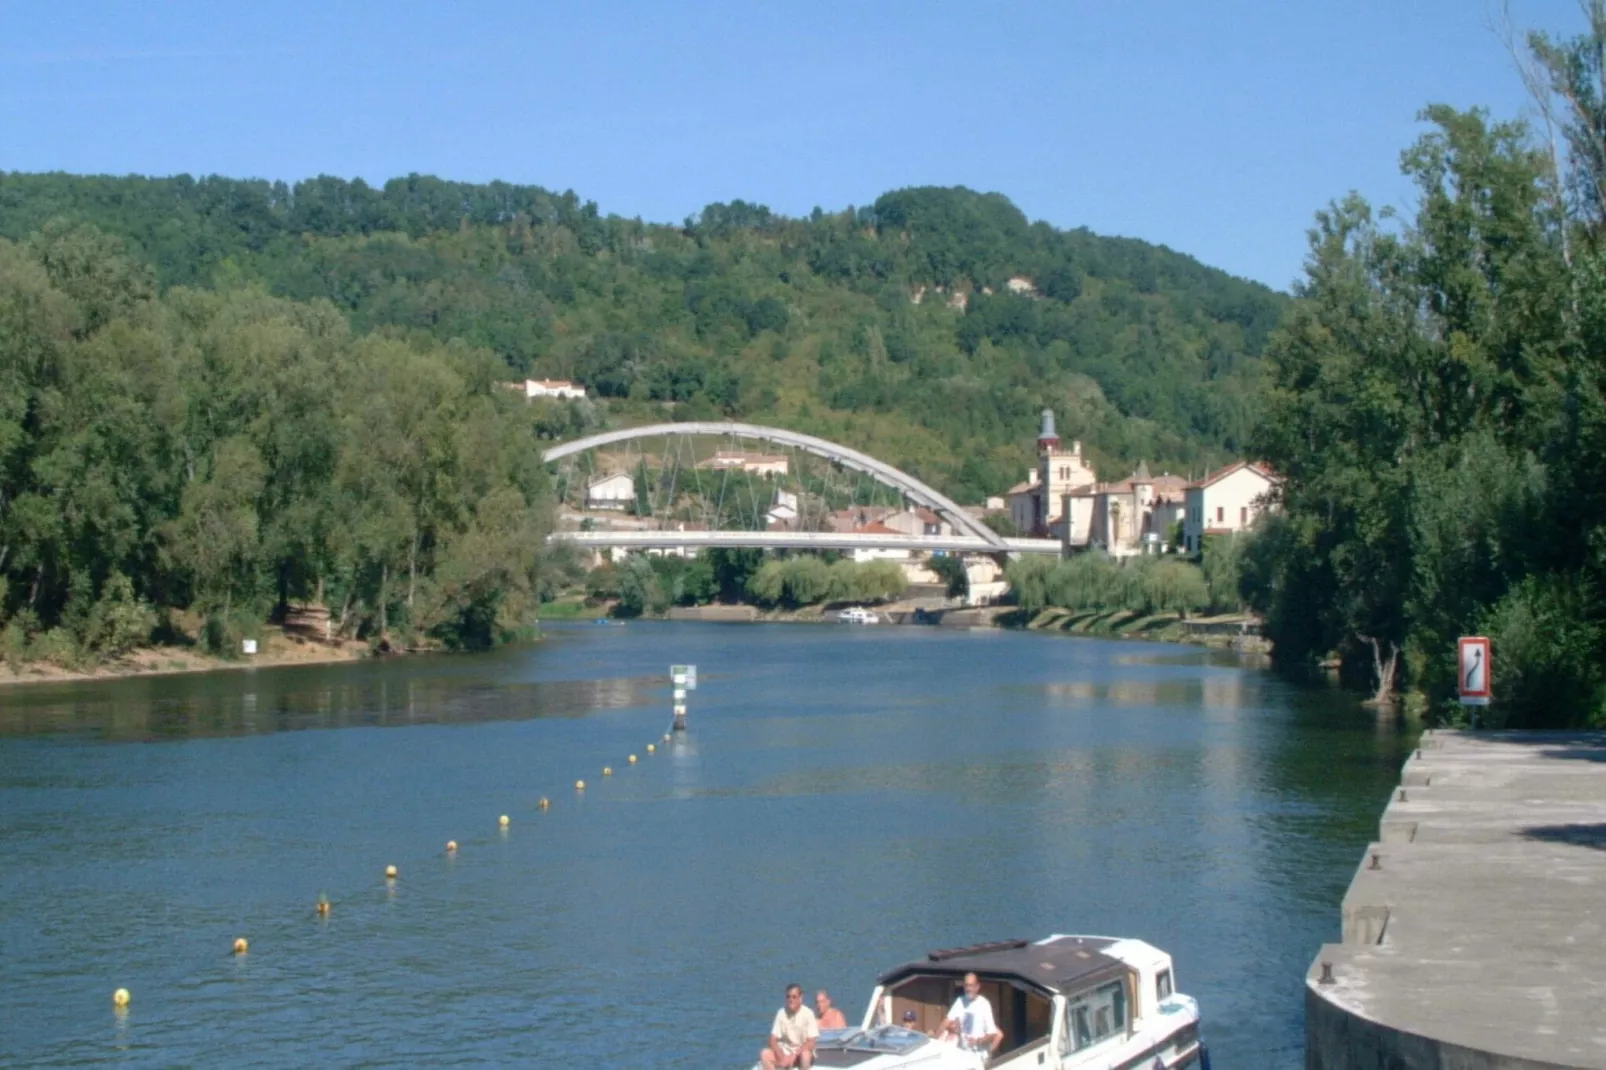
<point x="1047" y="438"/>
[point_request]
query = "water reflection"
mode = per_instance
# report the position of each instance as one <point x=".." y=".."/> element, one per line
<point x="112" y="713"/>
<point x="876" y="792"/>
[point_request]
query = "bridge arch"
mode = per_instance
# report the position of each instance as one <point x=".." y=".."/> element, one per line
<point x="843" y="455"/>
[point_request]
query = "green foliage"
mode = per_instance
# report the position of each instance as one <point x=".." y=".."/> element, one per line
<point x="808" y="323"/>
<point x="1003" y="524"/>
<point x="951" y="569"/>
<point x="1549" y="636"/>
<point x="807" y="580"/>
<point x="58" y="647"/>
<point x="1437" y="403"/>
<point x="120" y="621"/>
<point x="1221" y="563"/>
<point x="231" y="451"/>
<point x="1096" y="581"/>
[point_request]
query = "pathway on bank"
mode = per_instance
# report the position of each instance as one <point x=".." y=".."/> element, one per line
<point x="1475" y="931"/>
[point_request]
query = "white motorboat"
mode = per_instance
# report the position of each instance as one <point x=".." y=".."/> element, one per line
<point x="1064" y="1002"/>
<point x="857" y="615"/>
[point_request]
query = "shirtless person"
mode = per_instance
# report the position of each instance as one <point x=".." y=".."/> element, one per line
<point x="792" y="1035"/>
<point x="971" y="1017"/>
<point x="827" y="1014"/>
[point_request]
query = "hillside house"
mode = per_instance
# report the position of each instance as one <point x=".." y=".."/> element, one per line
<point x="759" y="464"/>
<point x="1225" y="502"/>
<point x="552" y="388"/>
<point x="917" y="521"/>
<point x="615" y="492"/>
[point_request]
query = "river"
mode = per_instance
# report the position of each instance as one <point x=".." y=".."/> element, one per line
<point x="846" y="799"/>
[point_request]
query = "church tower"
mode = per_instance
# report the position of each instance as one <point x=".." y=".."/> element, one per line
<point x="1059" y="471"/>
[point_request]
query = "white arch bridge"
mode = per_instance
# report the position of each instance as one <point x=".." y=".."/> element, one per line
<point x="681" y="475"/>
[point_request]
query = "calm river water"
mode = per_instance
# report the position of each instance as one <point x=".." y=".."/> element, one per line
<point x="846" y="799"/>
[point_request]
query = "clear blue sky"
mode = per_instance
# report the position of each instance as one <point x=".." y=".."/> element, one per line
<point x="1214" y="128"/>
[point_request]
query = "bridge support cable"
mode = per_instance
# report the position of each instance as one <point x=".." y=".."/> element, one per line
<point x="911" y="487"/>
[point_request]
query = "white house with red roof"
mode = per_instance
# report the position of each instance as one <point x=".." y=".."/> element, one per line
<point x="1226" y="502"/>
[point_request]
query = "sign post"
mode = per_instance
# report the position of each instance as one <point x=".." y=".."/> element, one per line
<point x="1474" y="673"/>
<point x="684" y="679"/>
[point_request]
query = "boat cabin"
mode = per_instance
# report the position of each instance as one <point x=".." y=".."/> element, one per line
<point x="1061" y="1002"/>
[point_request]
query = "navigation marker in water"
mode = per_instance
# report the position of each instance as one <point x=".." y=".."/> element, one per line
<point x="503" y="821"/>
<point x="652" y="749"/>
<point x="579" y="785"/>
<point x="120" y="997"/>
<point x="390" y="873"/>
<point x="632" y="759"/>
<point x="451" y="847"/>
<point x="607" y="770"/>
<point x="545" y="803"/>
<point x="240" y="946"/>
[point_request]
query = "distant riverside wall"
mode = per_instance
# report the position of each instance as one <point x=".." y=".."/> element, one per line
<point x="1474" y="930"/>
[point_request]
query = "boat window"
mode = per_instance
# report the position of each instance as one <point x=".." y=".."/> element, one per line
<point x="1094" y="1016"/>
<point x="1162" y="984"/>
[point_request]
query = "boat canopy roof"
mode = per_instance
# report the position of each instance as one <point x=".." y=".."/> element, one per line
<point x="1059" y="966"/>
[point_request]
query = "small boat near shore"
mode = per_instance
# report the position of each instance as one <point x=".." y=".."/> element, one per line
<point x="857" y="615"/>
<point x="1064" y="1002"/>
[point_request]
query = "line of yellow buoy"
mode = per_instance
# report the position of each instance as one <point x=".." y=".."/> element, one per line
<point x="121" y="998"/>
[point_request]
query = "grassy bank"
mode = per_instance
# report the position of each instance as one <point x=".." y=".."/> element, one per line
<point x="1219" y="631"/>
<point x="274" y="648"/>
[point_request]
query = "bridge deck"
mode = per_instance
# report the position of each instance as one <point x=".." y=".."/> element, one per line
<point x="803" y="540"/>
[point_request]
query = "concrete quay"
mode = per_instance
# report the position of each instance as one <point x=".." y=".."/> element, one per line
<point x="1474" y="931"/>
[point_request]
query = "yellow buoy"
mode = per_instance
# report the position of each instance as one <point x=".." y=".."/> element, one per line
<point x="451" y="847"/>
<point x="545" y="802"/>
<point x="652" y="748"/>
<point x="390" y="873"/>
<point x="607" y="770"/>
<point x="503" y="821"/>
<point x="241" y="947"/>
<point x="120" y="997"/>
<point x="632" y="759"/>
<point x="323" y="906"/>
<point x="666" y="737"/>
<point x="579" y="785"/>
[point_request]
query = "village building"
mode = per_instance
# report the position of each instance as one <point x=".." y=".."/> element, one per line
<point x="550" y="388"/>
<point x="783" y="512"/>
<point x="614" y="492"/>
<point x="1037" y="505"/>
<point x="857" y="518"/>
<point x="1225" y="502"/>
<point x="917" y="521"/>
<point x="761" y="464"/>
<point x="1133" y="516"/>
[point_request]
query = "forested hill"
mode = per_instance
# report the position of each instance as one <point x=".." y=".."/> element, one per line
<point x="892" y="327"/>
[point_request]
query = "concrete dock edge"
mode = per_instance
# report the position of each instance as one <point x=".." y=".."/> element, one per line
<point x="1474" y="930"/>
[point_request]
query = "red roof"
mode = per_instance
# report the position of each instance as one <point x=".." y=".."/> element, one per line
<point x="876" y="527"/>
<point x="1222" y="473"/>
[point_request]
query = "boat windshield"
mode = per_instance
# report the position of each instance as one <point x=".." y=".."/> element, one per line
<point x="880" y="1038"/>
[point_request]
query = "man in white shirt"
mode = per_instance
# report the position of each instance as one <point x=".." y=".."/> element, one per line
<point x="792" y="1036"/>
<point x="971" y="1017"/>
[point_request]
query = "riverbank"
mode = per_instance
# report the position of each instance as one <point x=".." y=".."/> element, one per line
<point x="1227" y="631"/>
<point x="1233" y="631"/>
<point x="274" y="648"/>
<point x="1472" y="928"/>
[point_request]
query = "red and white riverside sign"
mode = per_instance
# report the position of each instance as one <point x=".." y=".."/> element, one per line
<point x="1474" y="675"/>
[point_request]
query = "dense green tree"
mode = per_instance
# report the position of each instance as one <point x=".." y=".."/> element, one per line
<point x="805" y="322"/>
<point x="1435" y="405"/>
